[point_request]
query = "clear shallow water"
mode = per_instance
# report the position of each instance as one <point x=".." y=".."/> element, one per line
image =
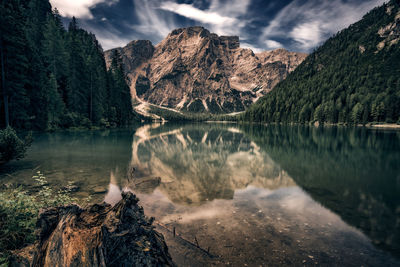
<point x="255" y="195"/>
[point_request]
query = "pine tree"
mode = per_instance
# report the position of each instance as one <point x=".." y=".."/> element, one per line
<point x="339" y="83"/>
<point x="54" y="78"/>
<point x="120" y="98"/>
<point x="14" y="65"/>
<point x="53" y="46"/>
<point x="55" y="106"/>
<point x="76" y="95"/>
<point x="36" y="13"/>
<point x="97" y="81"/>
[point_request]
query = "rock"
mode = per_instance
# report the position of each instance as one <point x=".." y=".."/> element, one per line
<point x="100" y="235"/>
<point x="133" y="54"/>
<point x="198" y="71"/>
<point x="22" y="257"/>
<point x="99" y="190"/>
<point x="145" y="184"/>
<point x="6" y="186"/>
<point x="71" y="188"/>
<point x="391" y="33"/>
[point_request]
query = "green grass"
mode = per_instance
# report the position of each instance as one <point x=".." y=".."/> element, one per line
<point x="19" y="210"/>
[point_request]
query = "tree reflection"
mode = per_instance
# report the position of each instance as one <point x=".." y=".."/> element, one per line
<point x="353" y="172"/>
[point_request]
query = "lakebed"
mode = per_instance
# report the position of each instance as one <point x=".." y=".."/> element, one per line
<point x="227" y="194"/>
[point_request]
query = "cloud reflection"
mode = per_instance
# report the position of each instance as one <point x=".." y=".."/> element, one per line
<point x="194" y="169"/>
<point x="114" y="192"/>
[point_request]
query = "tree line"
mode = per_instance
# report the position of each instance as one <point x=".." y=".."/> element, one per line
<point x="347" y="80"/>
<point x="53" y="77"/>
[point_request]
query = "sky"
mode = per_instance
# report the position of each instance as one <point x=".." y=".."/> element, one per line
<point x="297" y="25"/>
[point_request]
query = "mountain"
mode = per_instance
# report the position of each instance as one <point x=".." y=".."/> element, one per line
<point x="353" y="78"/>
<point x="197" y="71"/>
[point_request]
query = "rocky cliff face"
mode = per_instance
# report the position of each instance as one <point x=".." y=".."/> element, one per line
<point x="391" y="32"/>
<point x="198" y="71"/>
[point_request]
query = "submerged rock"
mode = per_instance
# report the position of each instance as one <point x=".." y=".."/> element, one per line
<point x="101" y="235"/>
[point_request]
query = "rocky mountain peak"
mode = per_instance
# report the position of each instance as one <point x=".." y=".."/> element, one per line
<point x="134" y="54"/>
<point x="190" y="31"/>
<point x="195" y="70"/>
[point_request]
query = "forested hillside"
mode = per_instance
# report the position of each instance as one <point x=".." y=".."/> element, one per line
<point x="353" y="78"/>
<point x="52" y="77"/>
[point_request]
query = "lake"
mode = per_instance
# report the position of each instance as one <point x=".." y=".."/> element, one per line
<point x="241" y="195"/>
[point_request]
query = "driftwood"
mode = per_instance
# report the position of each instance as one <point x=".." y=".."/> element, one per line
<point x="193" y="245"/>
<point x="100" y="235"/>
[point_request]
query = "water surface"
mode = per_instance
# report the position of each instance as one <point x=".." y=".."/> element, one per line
<point x="246" y="195"/>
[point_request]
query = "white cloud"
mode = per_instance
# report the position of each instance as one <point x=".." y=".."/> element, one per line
<point x="77" y="8"/>
<point x="307" y="34"/>
<point x="157" y="17"/>
<point x="301" y="25"/>
<point x="222" y="17"/>
<point x="191" y="12"/>
<point x="271" y="44"/>
<point x="253" y="48"/>
<point x="109" y="40"/>
<point x="108" y="36"/>
<point x="309" y="23"/>
<point x="152" y="20"/>
<point x="233" y="8"/>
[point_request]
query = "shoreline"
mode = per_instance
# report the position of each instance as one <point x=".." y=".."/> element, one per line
<point x="388" y="126"/>
<point x="380" y="126"/>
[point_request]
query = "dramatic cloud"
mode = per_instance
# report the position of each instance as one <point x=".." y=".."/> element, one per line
<point x="222" y="17"/>
<point x="309" y="23"/>
<point x="151" y="19"/>
<point x="297" y="25"/>
<point x="111" y="40"/>
<point x="271" y="44"/>
<point x="77" y="8"/>
<point x="196" y="14"/>
<point x="253" y="48"/>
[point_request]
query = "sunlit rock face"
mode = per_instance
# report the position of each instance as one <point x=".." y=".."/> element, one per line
<point x="198" y="71"/>
<point x="134" y="54"/>
<point x="195" y="168"/>
<point x="391" y="32"/>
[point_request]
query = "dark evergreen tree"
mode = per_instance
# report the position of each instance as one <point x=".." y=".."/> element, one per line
<point x="97" y="82"/>
<point x="36" y="13"/>
<point x="120" y="110"/>
<point x="14" y="65"/>
<point x="76" y="96"/>
<point x="55" y="105"/>
<point x="53" y="47"/>
<point x="349" y="79"/>
<point x="52" y="77"/>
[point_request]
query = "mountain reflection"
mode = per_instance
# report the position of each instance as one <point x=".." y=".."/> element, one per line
<point x="199" y="163"/>
<point x="353" y="172"/>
